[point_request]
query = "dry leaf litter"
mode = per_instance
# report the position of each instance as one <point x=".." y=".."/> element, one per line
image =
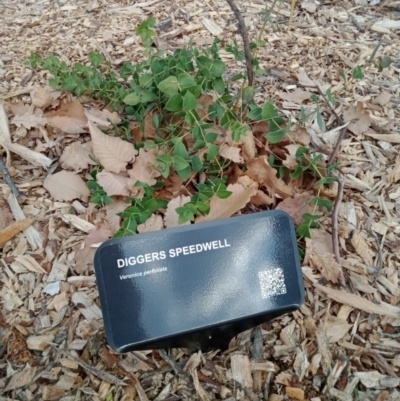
<point x="343" y="343"/>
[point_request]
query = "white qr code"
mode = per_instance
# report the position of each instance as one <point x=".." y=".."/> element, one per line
<point x="272" y="282"/>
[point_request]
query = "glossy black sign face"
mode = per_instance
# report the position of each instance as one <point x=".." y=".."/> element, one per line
<point x="199" y="285"/>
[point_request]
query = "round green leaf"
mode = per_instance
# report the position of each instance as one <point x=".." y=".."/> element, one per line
<point x="174" y="103"/>
<point x="180" y="163"/>
<point x="132" y="99"/>
<point x="169" y="86"/>
<point x="189" y="101"/>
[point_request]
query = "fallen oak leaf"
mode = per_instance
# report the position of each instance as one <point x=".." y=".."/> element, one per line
<point x="223" y="208"/>
<point x="297" y="96"/>
<point x="103" y="118"/>
<point x="361" y="117"/>
<point x="115" y="184"/>
<point x="76" y="156"/>
<point x="66" y="186"/>
<point x="153" y="223"/>
<point x="260" y="171"/>
<point x="297" y="206"/>
<point x="41" y="97"/>
<point x="113" y="153"/>
<point x="329" y="268"/>
<point x="143" y="168"/>
<point x="70" y="119"/>
<point x="231" y="153"/>
<point x="30" y="119"/>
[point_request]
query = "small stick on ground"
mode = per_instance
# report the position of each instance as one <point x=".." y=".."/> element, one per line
<point x="245" y="37"/>
<point x="8" y="179"/>
<point x="291" y="14"/>
<point x="177" y="370"/>
<point x="335" y="217"/>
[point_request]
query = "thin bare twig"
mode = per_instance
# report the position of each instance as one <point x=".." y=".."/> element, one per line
<point x="335" y="151"/>
<point x="335" y="215"/>
<point x="245" y="37"/>
<point x="8" y="179"/>
<point x="177" y="370"/>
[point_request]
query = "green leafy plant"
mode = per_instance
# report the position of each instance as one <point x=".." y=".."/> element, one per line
<point x="184" y="99"/>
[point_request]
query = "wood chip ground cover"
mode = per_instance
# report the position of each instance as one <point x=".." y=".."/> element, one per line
<point x="343" y="344"/>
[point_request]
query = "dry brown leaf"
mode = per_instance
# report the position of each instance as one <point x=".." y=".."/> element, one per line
<point x="154" y="223"/>
<point x="260" y="128"/>
<point x="70" y="119"/>
<point x="76" y="156"/>
<point x="149" y="130"/>
<point x="66" y="186"/>
<point x="297" y="96"/>
<point x="19" y="109"/>
<point x="41" y="97"/>
<point x="328" y="267"/>
<point x="361" y="117"/>
<point x="298" y="135"/>
<point x="84" y="257"/>
<point x="382" y="99"/>
<point x="143" y="168"/>
<point x="101" y="117"/>
<point x="260" y="171"/>
<point x="392" y="138"/>
<point x="297" y="206"/>
<point x="336" y="329"/>
<point x="361" y="247"/>
<point x="115" y="184"/>
<point x="304" y="78"/>
<point x="223" y="208"/>
<point x="231" y="153"/>
<point x="113" y="153"/>
<point x="249" y="145"/>
<point x="205" y="101"/>
<point x="261" y="199"/>
<point x="358" y="302"/>
<point x="173" y="184"/>
<point x="112" y="218"/>
<point x="29" y="120"/>
<point x="319" y="243"/>
<point x="171" y="218"/>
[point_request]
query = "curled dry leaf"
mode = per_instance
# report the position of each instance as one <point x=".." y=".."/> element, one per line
<point x="329" y="268"/>
<point x="261" y="199"/>
<point x="113" y="153"/>
<point x="115" y="184"/>
<point x="297" y="96"/>
<point x="359" y="117"/>
<point x="41" y="97"/>
<point x="143" y="168"/>
<point x="66" y="186"/>
<point x="260" y="171"/>
<point x="70" y="119"/>
<point x="76" y="156"/>
<point x="103" y="118"/>
<point x="154" y="223"/>
<point x="297" y="206"/>
<point x="171" y="218"/>
<point x="223" y="208"/>
<point x="231" y="153"/>
<point x="249" y="145"/>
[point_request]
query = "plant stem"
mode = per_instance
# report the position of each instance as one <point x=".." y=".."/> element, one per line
<point x="245" y="37"/>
